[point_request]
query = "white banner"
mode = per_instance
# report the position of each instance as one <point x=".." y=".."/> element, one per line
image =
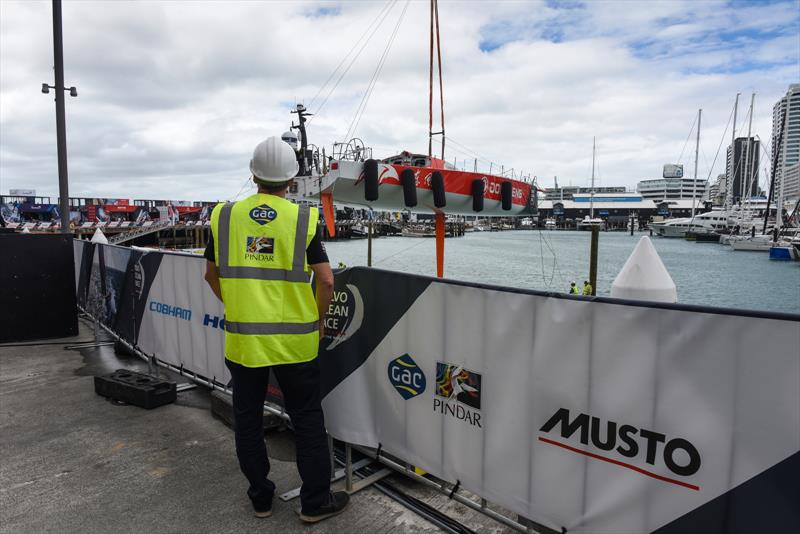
<point x="596" y="416"/>
<point x="183" y="319"/>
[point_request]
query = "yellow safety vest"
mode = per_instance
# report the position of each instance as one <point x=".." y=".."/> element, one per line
<point x="587" y="289"/>
<point x="271" y="315"/>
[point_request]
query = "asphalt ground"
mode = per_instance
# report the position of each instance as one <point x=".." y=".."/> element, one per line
<point x="73" y="461"/>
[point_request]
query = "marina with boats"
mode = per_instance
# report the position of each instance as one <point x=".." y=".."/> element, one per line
<point x="481" y="352"/>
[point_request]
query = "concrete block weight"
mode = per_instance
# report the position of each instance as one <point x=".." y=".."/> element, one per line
<point x="222" y="407"/>
<point x="135" y="388"/>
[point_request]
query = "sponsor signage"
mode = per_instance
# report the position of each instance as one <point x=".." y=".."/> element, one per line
<point x="344" y="317"/>
<point x="673" y="171"/>
<point x="263" y="214"/>
<point x="619" y="444"/>
<point x="458" y="393"/>
<point x="22" y="192"/>
<point x="406" y="377"/>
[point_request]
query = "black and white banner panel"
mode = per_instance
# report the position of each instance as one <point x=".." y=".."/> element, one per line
<point x="597" y="416"/>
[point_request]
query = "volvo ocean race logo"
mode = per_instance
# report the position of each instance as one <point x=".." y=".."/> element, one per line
<point x="344" y="317"/>
<point x="614" y="442"/>
<point x="458" y="393"/>
<point x="406" y="376"/>
<point x="263" y="214"/>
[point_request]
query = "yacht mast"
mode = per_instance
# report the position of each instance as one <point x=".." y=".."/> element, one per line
<point x="745" y="187"/>
<point x="591" y="196"/>
<point x="696" y="153"/>
<point x="729" y="181"/>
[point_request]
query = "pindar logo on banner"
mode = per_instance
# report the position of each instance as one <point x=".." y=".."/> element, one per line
<point x="453" y="382"/>
<point x="458" y="393"/>
<point x="263" y="214"/>
<point x="344" y="317"/>
<point x="406" y="377"/>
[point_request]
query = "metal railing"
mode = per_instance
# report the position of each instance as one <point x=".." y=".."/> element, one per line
<point x="139" y="231"/>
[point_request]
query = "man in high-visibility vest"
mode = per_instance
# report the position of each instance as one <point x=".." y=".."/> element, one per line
<point x="587" y="288"/>
<point x="259" y="256"/>
<point x="573" y="289"/>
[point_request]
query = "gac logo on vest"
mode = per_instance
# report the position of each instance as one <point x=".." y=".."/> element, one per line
<point x="263" y="214"/>
<point x="406" y="377"/>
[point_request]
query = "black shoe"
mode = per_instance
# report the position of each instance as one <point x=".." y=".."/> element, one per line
<point x="262" y="512"/>
<point x="336" y="505"/>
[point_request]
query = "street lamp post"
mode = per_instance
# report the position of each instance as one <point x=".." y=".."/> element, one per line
<point x="61" y="126"/>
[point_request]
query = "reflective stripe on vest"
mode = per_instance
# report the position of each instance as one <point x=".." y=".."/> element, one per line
<point x="296" y="274"/>
<point x="261" y="329"/>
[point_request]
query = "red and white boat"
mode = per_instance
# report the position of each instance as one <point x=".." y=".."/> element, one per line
<point x="464" y="192"/>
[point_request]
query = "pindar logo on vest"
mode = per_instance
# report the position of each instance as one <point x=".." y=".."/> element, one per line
<point x="263" y="214"/>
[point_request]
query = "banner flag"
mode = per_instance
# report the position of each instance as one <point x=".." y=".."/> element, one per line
<point x="593" y="415"/>
<point x="83" y="251"/>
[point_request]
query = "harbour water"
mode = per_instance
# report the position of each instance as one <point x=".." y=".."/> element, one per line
<point x="705" y="273"/>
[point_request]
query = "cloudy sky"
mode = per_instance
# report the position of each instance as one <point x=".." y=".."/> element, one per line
<point x="173" y="96"/>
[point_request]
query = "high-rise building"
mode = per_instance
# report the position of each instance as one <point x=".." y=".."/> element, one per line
<point x="716" y="192"/>
<point x="741" y="169"/>
<point x="790" y="106"/>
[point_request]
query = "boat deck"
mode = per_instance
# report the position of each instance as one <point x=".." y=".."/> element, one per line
<point x="73" y="461"/>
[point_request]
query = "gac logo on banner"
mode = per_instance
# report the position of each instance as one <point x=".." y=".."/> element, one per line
<point x="263" y="214"/>
<point x="458" y="393"/>
<point x="344" y="316"/>
<point x="406" y="377"/>
<point x="610" y="439"/>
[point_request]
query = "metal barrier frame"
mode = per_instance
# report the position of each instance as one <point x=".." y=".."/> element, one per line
<point x="351" y="485"/>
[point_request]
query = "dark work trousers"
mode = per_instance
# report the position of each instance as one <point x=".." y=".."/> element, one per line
<point x="299" y="383"/>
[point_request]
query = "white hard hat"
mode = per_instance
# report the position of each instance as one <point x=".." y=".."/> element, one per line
<point x="273" y="161"/>
<point x="291" y="138"/>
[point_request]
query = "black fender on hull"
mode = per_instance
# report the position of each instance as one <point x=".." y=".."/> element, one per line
<point x="409" y="182"/>
<point x="370" y="180"/>
<point x="437" y="186"/>
<point x="505" y="195"/>
<point x="477" y="195"/>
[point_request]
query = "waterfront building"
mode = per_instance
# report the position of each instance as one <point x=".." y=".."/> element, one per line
<point x="790" y="106"/>
<point x="741" y="169"/>
<point x="616" y="209"/>
<point x="677" y="188"/>
<point x="568" y="192"/>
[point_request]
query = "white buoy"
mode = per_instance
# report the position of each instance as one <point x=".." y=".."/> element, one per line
<point x="99" y="237"/>
<point x="644" y="277"/>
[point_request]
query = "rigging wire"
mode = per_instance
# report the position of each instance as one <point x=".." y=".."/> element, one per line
<point x="352" y="61"/>
<point x="247" y="181"/>
<point x="344" y="58"/>
<point x="351" y="130"/>
<point x="694" y="123"/>
<point x="390" y="256"/>
<point x="473" y="153"/>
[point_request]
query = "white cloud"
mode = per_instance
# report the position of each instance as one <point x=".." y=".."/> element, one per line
<point x="174" y="95"/>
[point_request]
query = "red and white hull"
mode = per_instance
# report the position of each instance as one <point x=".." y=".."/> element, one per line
<point x="345" y="182"/>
